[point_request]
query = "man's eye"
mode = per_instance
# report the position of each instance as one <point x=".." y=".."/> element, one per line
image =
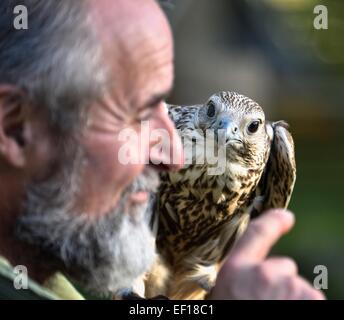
<point x="148" y="112"/>
<point x="145" y="114"/>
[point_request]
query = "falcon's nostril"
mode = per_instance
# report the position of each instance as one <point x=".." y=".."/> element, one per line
<point x="220" y="124"/>
<point x="235" y="129"/>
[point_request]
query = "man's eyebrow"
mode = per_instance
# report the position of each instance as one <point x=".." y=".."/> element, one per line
<point x="156" y="99"/>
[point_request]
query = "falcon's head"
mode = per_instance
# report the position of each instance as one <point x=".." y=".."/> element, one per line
<point x="241" y="122"/>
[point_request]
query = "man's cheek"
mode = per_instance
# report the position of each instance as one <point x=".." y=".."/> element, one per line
<point x="129" y="167"/>
<point x="111" y="176"/>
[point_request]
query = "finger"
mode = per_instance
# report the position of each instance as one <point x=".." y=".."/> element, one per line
<point x="274" y="275"/>
<point x="278" y="266"/>
<point x="302" y="290"/>
<point x="260" y="236"/>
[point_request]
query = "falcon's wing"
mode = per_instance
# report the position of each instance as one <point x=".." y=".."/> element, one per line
<point x="174" y="112"/>
<point x="180" y="115"/>
<point x="277" y="183"/>
<point x="183" y="116"/>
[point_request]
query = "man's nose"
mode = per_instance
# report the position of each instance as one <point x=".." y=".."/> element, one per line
<point x="169" y="155"/>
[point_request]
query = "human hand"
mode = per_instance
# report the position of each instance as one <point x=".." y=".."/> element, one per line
<point x="248" y="274"/>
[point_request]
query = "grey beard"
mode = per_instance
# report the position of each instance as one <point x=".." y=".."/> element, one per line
<point x="105" y="255"/>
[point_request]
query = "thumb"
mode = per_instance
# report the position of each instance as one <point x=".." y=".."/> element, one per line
<point x="260" y="236"/>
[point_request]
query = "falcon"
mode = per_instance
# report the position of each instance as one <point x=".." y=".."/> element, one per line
<point x="202" y="209"/>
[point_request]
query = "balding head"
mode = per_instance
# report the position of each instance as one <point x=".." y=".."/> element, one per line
<point x="101" y="66"/>
<point x="137" y="43"/>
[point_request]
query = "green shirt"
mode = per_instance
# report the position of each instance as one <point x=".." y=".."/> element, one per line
<point x="55" y="288"/>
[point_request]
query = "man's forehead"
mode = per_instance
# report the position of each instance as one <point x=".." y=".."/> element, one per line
<point x="137" y="43"/>
<point x="123" y="19"/>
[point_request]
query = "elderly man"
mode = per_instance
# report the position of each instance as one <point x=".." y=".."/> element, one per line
<point x="69" y="84"/>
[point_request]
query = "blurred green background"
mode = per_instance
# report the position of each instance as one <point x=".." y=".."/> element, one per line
<point x="270" y="51"/>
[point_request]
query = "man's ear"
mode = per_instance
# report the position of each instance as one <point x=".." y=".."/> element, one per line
<point x="13" y="118"/>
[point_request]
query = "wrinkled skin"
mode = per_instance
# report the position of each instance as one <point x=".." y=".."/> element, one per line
<point x="79" y="203"/>
<point x="137" y="50"/>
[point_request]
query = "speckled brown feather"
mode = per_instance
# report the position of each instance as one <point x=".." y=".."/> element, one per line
<point x="201" y="215"/>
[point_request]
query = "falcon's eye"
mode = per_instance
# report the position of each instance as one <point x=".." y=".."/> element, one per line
<point x="253" y="126"/>
<point x="211" y="109"/>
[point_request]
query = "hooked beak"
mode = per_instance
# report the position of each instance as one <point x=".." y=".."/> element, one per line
<point x="228" y="131"/>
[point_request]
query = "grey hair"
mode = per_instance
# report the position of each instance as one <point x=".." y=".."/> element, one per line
<point x="104" y="255"/>
<point x="56" y="61"/>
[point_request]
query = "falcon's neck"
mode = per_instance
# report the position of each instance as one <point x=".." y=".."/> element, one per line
<point x="197" y="180"/>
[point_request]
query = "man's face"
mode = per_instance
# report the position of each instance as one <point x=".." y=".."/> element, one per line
<point x="138" y="52"/>
<point x="92" y="213"/>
